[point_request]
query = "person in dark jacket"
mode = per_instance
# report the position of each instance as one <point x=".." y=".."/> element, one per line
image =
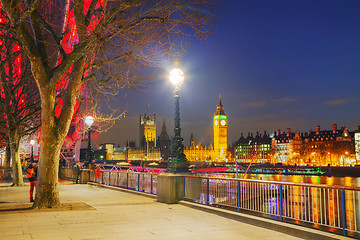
<point x="76" y="172"/>
<point x="31" y="174"/>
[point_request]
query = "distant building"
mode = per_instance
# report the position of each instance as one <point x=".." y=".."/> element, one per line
<point x="317" y="148"/>
<point x="114" y="153"/>
<point x="147" y="133"/>
<point x="218" y="153"/>
<point x="147" y="150"/>
<point x="357" y="146"/>
<point x="246" y="148"/>
<point x="151" y="154"/>
<point x="286" y="147"/>
<point x="334" y="147"/>
<point x="198" y="153"/>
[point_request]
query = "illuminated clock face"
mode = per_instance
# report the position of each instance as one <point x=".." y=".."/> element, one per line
<point x="216" y="122"/>
<point x="222" y="122"/>
<point x="149" y="122"/>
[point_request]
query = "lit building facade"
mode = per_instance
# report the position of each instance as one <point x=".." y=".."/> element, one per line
<point x="286" y="147"/>
<point x="246" y="148"/>
<point x="218" y="152"/>
<point x="113" y="152"/>
<point x="335" y="147"/>
<point x="147" y="134"/>
<point x="198" y="153"/>
<point x="357" y="147"/>
<point x="137" y="153"/>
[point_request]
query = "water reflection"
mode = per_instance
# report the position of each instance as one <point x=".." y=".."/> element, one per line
<point x="342" y="181"/>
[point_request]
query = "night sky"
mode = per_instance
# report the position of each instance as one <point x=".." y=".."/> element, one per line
<point x="276" y="63"/>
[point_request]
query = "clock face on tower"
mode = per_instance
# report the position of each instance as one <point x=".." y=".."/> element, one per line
<point x="222" y="122"/>
<point x="216" y="122"/>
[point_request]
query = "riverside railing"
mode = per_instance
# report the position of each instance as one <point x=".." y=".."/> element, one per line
<point x="334" y="207"/>
<point x="138" y="181"/>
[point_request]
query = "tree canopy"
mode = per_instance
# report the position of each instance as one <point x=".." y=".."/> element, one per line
<point x="106" y="44"/>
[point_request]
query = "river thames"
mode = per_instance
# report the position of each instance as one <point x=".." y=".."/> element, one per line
<point x="341" y="181"/>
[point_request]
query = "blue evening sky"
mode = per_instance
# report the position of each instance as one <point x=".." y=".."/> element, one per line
<point x="276" y="63"/>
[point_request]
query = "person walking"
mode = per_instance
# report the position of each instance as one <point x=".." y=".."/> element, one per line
<point x="31" y="174"/>
<point x="76" y="172"/>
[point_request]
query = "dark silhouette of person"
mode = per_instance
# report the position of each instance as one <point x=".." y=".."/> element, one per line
<point x="31" y="174"/>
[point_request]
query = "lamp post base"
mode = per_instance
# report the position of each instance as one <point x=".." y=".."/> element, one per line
<point x="178" y="162"/>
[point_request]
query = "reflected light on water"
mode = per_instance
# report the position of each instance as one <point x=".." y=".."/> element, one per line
<point x="330" y="181"/>
<point x="342" y="181"/>
<point x="314" y="179"/>
<point x="348" y="181"/>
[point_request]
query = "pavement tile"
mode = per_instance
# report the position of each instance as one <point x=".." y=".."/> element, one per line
<point x="8" y="232"/>
<point x="49" y="235"/>
<point x="16" y="237"/>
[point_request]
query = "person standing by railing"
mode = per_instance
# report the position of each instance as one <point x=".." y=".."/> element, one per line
<point x="31" y="174"/>
<point x="76" y="172"/>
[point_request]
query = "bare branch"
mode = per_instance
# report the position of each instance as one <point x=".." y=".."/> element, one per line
<point x="26" y="13"/>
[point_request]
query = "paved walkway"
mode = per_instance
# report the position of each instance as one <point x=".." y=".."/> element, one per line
<point x="118" y="215"/>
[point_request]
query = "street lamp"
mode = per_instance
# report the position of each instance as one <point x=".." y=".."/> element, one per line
<point x="32" y="142"/>
<point x="178" y="162"/>
<point x="89" y="120"/>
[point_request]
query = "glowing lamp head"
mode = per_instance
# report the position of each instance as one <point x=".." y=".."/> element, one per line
<point x="89" y="120"/>
<point x="32" y="142"/>
<point x="176" y="77"/>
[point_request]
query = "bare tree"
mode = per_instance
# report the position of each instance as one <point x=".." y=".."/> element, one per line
<point x="20" y="101"/>
<point x="115" y="44"/>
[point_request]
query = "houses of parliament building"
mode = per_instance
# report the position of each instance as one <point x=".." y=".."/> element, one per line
<point x="152" y="148"/>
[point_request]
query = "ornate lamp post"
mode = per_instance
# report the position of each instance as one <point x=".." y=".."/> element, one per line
<point x="89" y="120"/>
<point x="32" y="142"/>
<point x="178" y="162"/>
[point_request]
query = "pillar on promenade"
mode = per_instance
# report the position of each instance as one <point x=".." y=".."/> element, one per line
<point x="84" y="176"/>
<point x="170" y="188"/>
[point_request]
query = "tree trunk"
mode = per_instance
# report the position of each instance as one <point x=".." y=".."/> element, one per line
<point x="15" y="138"/>
<point x="47" y="193"/>
<point x="8" y="153"/>
<point x="52" y="138"/>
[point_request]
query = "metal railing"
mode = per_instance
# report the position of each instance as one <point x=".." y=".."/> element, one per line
<point x="66" y="173"/>
<point x="138" y="181"/>
<point x="334" y="207"/>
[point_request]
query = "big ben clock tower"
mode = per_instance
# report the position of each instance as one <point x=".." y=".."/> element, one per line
<point x="220" y="132"/>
